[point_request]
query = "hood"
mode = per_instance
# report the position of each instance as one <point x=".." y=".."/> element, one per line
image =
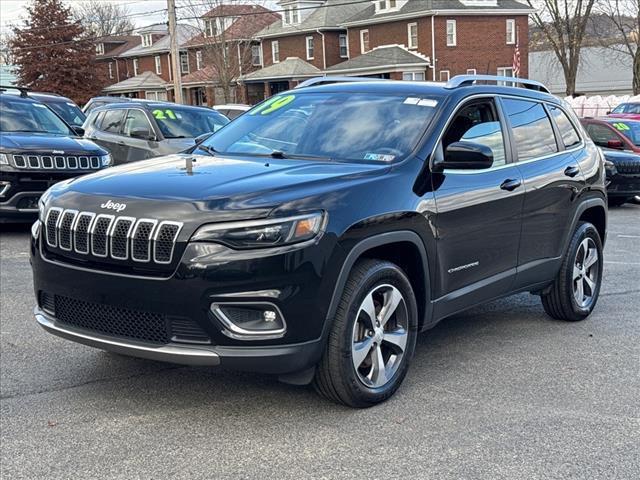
<point x="46" y="143"/>
<point x="619" y="155"/>
<point x="215" y="178"/>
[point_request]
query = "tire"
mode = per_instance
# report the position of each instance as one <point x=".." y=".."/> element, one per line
<point x="619" y="201"/>
<point x="355" y="338"/>
<point x="561" y="302"/>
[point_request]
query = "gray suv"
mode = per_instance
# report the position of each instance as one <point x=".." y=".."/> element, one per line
<point x="138" y="130"/>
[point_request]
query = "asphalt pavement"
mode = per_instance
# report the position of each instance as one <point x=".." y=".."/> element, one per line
<point x="498" y="392"/>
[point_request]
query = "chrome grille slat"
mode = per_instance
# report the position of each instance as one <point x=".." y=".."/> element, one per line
<point x="51" y="226"/>
<point x="46" y="161"/>
<point x="84" y="163"/>
<point x="72" y="163"/>
<point x="119" y="237"/>
<point x="99" y="235"/>
<point x="33" y="161"/>
<point x="95" y="162"/>
<point x="81" y="229"/>
<point x="122" y="238"/>
<point x="141" y="240"/>
<point x="164" y="241"/>
<point x="60" y="162"/>
<point x="19" y="161"/>
<point x="65" y="234"/>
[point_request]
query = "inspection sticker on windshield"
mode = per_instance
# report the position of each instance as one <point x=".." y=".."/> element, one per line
<point x="422" y="102"/>
<point x="379" y="157"/>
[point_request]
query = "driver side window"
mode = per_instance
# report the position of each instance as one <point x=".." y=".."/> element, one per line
<point x="135" y="119"/>
<point x="478" y="123"/>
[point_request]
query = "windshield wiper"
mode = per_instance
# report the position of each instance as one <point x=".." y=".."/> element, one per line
<point x="210" y="150"/>
<point x="278" y="154"/>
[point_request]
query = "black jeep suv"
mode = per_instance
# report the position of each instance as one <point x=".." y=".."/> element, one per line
<point x="316" y="235"/>
<point x="37" y="149"/>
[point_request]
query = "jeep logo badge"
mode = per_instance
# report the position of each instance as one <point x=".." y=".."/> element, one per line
<point x="109" y="205"/>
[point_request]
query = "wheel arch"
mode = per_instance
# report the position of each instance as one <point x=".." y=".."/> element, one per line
<point x="404" y="248"/>
<point x="594" y="211"/>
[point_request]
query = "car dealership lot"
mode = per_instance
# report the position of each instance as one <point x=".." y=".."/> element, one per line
<point x="501" y="391"/>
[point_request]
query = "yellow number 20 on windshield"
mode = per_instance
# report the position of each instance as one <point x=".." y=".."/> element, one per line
<point x="273" y="104"/>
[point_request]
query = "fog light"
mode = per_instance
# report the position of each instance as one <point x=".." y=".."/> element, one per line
<point x="250" y="321"/>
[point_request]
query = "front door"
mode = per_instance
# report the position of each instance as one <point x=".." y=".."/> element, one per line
<point x="479" y="214"/>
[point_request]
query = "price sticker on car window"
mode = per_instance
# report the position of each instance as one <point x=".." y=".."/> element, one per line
<point x="273" y="104"/>
<point x="623" y="127"/>
<point x="164" y="114"/>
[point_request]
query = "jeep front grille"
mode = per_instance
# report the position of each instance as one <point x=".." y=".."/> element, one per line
<point x="630" y="167"/>
<point x="109" y="236"/>
<point x="59" y="162"/>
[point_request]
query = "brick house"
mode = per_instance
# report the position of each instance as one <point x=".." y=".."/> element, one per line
<point x="108" y="50"/>
<point x="223" y="51"/>
<point x="309" y="32"/>
<point x="459" y="36"/>
<point x="144" y="70"/>
<point x="398" y="39"/>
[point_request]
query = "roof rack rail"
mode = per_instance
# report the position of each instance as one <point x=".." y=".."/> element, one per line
<point x="23" y="90"/>
<point x="312" y="82"/>
<point x="468" y="80"/>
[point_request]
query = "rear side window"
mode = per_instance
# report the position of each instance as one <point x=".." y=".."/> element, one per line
<point x="532" y="130"/>
<point x="136" y="119"/>
<point x="569" y="135"/>
<point x="112" y="121"/>
<point x="601" y="134"/>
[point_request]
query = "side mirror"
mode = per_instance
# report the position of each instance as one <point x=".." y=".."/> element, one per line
<point x="201" y="138"/>
<point x="79" y="131"/>
<point x="616" y="144"/>
<point x="467" y="156"/>
<point x="142" y="133"/>
<point x="609" y="112"/>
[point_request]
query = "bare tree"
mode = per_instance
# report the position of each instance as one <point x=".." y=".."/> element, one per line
<point x="563" y="24"/>
<point x="103" y="18"/>
<point x="623" y="35"/>
<point x="226" y="29"/>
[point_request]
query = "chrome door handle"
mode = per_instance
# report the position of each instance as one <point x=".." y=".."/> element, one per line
<point x="511" y="184"/>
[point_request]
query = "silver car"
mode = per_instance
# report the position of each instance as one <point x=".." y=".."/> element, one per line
<point x="138" y="130"/>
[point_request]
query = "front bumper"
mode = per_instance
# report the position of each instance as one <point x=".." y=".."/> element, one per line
<point x="623" y="185"/>
<point x="292" y="281"/>
<point x="272" y="360"/>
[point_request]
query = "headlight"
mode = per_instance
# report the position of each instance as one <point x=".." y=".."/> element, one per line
<point x="106" y="160"/>
<point x="263" y="233"/>
<point x="4" y="160"/>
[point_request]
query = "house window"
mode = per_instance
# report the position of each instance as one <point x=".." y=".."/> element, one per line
<point x="135" y="67"/>
<point x="184" y="62"/>
<point x="256" y="55"/>
<point x="452" y="33"/>
<point x="344" y="48"/>
<point x="199" y="60"/>
<point x="110" y="69"/>
<point x="147" y="40"/>
<point x="445" y="75"/>
<point x="157" y="95"/>
<point x="505" y="72"/>
<point x="412" y="35"/>
<point x="364" y="41"/>
<point x="158" y="61"/>
<point x="511" y="31"/>
<point x="413" y="76"/>
<point x="275" y="51"/>
<point x="295" y="18"/>
<point x="210" y="28"/>
<point x="471" y="71"/>
<point x="100" y="49"/>
<point x="309" y="48"/>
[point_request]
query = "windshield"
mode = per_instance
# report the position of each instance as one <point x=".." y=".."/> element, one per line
<point x="25" y="116"/>
<point x="69" y="112"/>
<point x="627" y="108"/>
<point x="346" y="126"/>
<point x="187" y="123"/>
<point x="631" y="130"/>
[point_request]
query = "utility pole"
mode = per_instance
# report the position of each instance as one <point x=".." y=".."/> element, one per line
<point x="175" y="53"/>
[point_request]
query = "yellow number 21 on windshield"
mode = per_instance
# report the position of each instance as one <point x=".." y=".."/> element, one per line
<point x="273" y="104"/>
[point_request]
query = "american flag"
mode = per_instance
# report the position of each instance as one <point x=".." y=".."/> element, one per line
<point x="516" y="60"/>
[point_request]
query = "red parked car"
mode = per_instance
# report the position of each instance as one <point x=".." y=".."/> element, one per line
<point x="614" y="133"/>
<point x="630" y="111"/>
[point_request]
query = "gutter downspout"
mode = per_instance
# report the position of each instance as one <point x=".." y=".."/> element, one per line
<point x="433" y="46"/>
<point x="324" y="56"/>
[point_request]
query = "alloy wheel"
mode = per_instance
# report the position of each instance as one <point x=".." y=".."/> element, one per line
<point x="585" y="272"/>
<point x="380" y="335"/>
